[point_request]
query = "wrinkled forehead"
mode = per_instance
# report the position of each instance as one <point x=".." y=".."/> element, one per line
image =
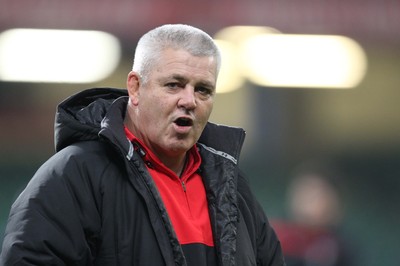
<point x="181" y="62"/>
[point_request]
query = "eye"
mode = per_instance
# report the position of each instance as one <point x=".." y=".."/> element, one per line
<point x="206" y="91"/>
<point x="173" y="85"/>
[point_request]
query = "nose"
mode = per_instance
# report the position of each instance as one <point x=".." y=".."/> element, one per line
<point x="187" y="98"/>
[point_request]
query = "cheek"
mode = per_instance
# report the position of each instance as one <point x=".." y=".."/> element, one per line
<point x="208" y="107"/>
<point x="157" y="111"/>
<point x="159" y="107"/>
<point x="211" y="106"/>
<point x="204" y="115"/>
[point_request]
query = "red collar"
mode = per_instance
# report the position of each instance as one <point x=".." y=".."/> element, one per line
<point x="193" y="160"/>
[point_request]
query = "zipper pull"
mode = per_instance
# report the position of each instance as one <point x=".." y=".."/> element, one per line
<point x="183" y="186"/>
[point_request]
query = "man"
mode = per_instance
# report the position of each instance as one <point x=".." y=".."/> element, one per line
<point x="144" y="178"/>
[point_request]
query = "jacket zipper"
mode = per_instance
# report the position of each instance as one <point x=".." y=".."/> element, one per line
<point x="183" y="186"/>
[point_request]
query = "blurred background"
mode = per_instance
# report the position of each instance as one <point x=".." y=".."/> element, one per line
<point x="348" y="134"/>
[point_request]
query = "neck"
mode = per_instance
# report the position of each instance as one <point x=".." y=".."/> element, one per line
<point x="176" y="164"/>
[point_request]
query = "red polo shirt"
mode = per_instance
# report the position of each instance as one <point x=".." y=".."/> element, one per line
<point x="184" y="197"/>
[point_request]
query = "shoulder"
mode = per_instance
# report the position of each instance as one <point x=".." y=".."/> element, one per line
<point x="78" y="174"/>
<point x="81" y="154"/>
<point x="86" y="161"/>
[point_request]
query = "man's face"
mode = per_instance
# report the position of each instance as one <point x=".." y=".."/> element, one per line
<point x="174" y="105"/>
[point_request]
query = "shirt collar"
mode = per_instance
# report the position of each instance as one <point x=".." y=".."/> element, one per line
<point x="193" y="159"/>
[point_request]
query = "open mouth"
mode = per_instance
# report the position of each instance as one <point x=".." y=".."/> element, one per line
<point x="184" y="122"/>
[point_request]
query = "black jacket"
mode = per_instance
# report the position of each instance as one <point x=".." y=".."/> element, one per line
<point x="94" y="203"/>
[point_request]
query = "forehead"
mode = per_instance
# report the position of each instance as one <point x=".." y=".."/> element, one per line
<point x="180" y="62"/>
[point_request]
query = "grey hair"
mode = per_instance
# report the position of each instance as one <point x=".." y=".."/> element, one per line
<point x="175" y="36"/>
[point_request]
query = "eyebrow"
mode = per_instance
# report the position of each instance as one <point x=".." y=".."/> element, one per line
<point x="179" y="78"/>
<point x="185" y="80"/>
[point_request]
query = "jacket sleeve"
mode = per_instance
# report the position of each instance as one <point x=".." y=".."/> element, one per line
<point x="54" y="221"/>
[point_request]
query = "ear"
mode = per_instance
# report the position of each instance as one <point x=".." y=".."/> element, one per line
<point x="132" y="85"/>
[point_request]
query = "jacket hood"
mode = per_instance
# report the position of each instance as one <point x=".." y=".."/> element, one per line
<point x="79" y="117"/>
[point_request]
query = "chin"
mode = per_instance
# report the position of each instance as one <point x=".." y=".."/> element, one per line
<point x="181" y="146"/>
